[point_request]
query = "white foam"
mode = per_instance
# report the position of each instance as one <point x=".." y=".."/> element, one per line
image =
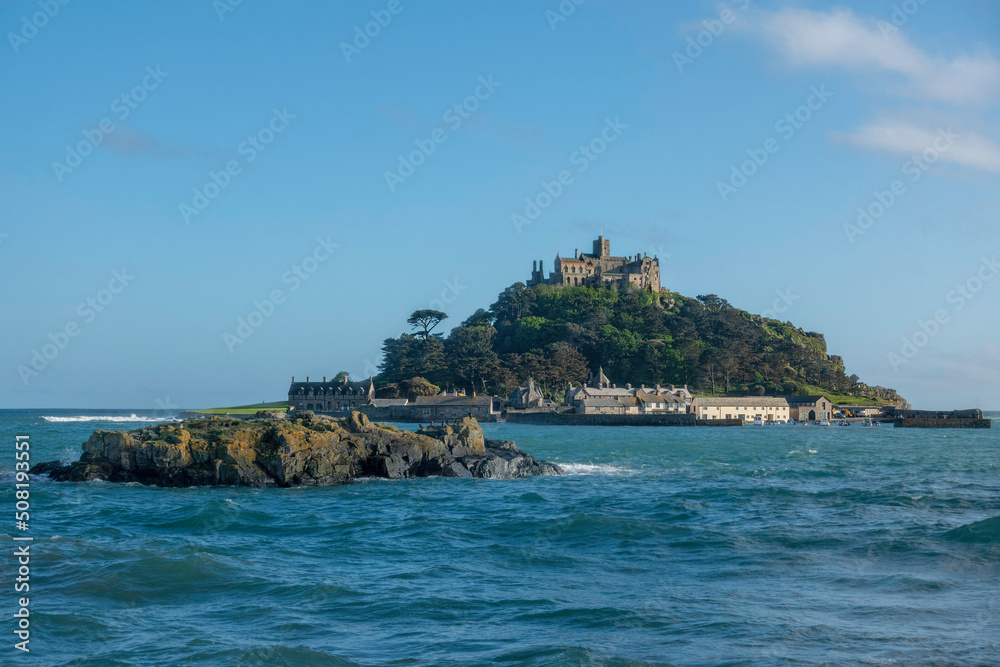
<point x="593" y="469"/>
<point x="116" y="419"/>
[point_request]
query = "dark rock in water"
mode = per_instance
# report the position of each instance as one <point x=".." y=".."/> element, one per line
<point x="308" y="450"/>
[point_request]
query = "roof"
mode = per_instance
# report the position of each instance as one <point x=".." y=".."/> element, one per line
<point x="453" y="400"/>
<point x="388" y="402"/>
<point x="654" y="398"/>
<point x="363" y="387"/>
<point x="602" y="403"/>
<point x="609" y="392"/>
<point x="804" y="399"/>
<point x="735" y="401"/>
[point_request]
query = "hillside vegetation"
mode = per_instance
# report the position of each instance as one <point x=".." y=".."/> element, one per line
<point x="559" y="335"/>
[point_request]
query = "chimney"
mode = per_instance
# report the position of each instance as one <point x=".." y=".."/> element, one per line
<point x="324" y="378"/>
<point x="307" y="378"/>
<point x="541" y="266"/>
<point x="576" y="253"/>
<point x="293" y="378"/>
<point x="534" y="266"/>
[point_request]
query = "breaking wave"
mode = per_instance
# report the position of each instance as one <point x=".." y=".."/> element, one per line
<point x="594" y="469"/>
<point x="90" y="418"/>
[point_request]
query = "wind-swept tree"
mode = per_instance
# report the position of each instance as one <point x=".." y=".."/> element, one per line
<point x="424" y="321"/>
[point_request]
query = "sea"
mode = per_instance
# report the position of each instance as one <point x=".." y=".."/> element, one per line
<point x="777" y="545"/>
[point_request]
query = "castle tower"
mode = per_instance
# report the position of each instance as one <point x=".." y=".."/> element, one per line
<point x="602" y="247"/>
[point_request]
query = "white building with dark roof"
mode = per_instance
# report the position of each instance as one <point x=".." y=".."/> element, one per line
<point x="744" y="408"/>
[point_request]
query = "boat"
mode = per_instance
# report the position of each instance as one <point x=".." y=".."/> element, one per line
<point x="825" y="422"/>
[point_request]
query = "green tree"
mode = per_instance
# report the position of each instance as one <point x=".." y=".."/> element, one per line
<point x="470" y="356"/>
<point x="418" y="386"/>
<point x="513" y="303"/>
<point x="425" y="321"/>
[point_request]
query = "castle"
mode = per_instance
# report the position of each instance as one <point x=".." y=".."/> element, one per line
<point x="600" y="269"/>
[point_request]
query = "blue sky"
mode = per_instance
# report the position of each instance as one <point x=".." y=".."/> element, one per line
<point x="121" y="118"/>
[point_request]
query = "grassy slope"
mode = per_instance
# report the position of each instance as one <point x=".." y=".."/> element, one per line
<point x="244" y="409"/>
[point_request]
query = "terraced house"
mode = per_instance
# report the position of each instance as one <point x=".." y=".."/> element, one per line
<point x="744" y="408"/>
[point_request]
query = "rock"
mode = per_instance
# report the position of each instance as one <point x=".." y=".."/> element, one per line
<point x="309" y="450"/>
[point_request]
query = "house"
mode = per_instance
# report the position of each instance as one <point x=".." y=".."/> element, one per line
<point x="454" y="406"/>
<point x="810" y="408"/>
<point x="328" y="396"/>
<point x="745" y="408"/>
<point x="638" y="400"/>
<point x="600" y="406"/>
<point x="528" y="397"/>
<point x="652" y="404"/>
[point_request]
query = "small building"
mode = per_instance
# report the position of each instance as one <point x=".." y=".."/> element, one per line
<point x="810" y="408"/>
<point x="601" y="406"/>
<point x="652" y="404"/>
<point x="454" y="406"/>
<point x="527" y="397"/>
<point x="744" y="408"/>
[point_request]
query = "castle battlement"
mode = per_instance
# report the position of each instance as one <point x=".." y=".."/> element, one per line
<point x="600" y="269"/>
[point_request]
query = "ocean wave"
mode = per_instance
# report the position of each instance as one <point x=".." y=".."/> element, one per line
<point x="111" y="418"/>
<point x="987" y="530"/>
<point x="594" y="469"/>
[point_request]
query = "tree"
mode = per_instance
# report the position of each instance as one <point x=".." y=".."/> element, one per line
<point x="409" y="356"/>
<point x="341" y="377"/>
<point x="513" y="302"/>
<point x="418" y="386"/>
<point x="470" y="355"/>
<point x="480" y="318"/>
<point x="425" y="321"/>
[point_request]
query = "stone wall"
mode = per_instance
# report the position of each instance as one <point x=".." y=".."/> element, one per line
<point x="948" y="422"/>
<point x="573" y="419"/>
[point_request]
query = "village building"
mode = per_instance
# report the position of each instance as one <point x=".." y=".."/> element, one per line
<point x="630" y="400"/>
<point x="744" y="408"/>
<point x="600" y="269"/>
<point x="529" y="397"/>
<point x="627" y="399"/>
<point x="347" y="396"/>
<point x="330" y="397"/>
<point x="810" y="408"/>
<point x="445" y="407"/>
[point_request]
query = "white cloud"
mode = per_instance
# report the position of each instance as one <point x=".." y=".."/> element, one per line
<point x="904" y="138"/>
<point x="842" y="39"/>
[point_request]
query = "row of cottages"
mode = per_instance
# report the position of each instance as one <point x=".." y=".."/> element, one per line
<point x="600" y="397"/>
<point x="329" y="397"/>
<point x="744" y="408"/>
<point x="346" y="396"/>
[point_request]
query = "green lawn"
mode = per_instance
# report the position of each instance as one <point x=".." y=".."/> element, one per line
<point x="244" y="409"/>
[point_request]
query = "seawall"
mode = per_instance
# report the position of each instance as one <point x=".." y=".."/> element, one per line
<point x="947" y="422"/>
<point x="572" y="419"/>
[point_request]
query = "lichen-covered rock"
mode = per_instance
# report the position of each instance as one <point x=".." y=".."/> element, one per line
<point x="309" y="450"/>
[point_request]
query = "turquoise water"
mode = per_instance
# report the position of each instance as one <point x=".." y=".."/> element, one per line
<point x="685" y="546"/>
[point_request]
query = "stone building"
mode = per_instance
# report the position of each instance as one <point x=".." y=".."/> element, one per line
<point x="600" y="269"/>
<point x="527" y="397"/>
<point x="810" y="408"/>
<point x="329" y="397"/>
<point x="611" y="399"/>
<point x="346" y="396"/>
<point x="744" y="408"/>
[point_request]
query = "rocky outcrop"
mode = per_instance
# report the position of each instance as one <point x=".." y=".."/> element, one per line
<point x="308" y="450"/>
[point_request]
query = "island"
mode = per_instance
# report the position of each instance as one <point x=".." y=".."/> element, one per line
<point x="271" y="450"/>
